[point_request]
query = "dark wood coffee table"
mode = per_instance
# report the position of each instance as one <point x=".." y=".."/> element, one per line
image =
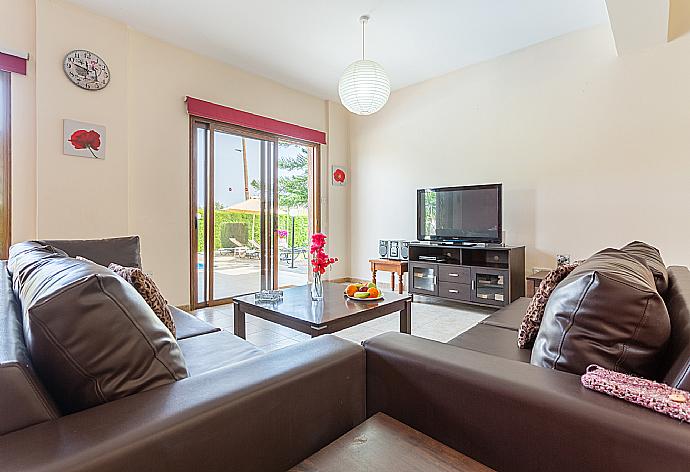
<point x="334" y="313"/>
<point x="382" y="443"/>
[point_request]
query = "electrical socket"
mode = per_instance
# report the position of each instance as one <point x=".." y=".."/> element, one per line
<point x="539" y="269"/>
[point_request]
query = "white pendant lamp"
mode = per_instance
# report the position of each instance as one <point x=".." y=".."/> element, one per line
<point x="364" y="87"/>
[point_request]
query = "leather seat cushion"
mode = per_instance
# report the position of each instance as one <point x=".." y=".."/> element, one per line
<point x="606" y="312"/>
<point x="509" y="316"/>
<point x="92" y="338"/>
<point x="207" y="352"/>
<point x="188" y="325"/>
<point x="494" y="340"/>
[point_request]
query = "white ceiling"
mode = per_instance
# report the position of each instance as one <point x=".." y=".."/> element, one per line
<point x="306" y="44"/>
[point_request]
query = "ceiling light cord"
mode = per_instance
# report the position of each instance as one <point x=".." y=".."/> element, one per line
<point x="363" y="19"/>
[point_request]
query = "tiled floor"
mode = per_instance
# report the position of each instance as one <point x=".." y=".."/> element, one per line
<point x="234" y="275"/>
<point x="433" y="319"/>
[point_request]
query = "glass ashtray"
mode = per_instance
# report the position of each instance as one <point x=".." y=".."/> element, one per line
<point x="268" y="296"/>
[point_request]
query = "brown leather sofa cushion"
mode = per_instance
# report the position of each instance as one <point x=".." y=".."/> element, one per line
<point x="91" y="336"/>
<point x="509" y="316"/>
<point x="124" y="251"/>
<point x="492" y="340"/>
<point x="212" y="351"/>
<point x="606" y="312"/>
<point x="188" y="326"/>
<point x="652" y="257"/>
<point x="677" y="358"/>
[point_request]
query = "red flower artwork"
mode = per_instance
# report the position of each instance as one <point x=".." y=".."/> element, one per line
<point x="320" y="260"/>
<point x="339" y="176"/>
<point x="82" y="139"/>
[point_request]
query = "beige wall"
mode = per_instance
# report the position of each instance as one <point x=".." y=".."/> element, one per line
<point x="78" y="197"/>
<point x="336" y="219"/>
<point x="592" y="149"/>
<point x="142" y="187"/>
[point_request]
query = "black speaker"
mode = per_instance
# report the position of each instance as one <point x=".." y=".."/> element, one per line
<point x="404" y="250"/>
<point x="383" y="248"/>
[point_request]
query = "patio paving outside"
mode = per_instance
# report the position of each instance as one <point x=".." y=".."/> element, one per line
<point x="237" y="275"/>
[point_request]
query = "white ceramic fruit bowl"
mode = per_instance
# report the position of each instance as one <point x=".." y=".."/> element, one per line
<point x="380" y="297"/>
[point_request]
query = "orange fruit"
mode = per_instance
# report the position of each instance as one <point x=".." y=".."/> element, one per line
<point x="350" y="290"/>
<point x="374" y="292"/>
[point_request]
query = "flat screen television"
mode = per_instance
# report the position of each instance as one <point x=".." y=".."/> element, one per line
<point x="460" y="214"/>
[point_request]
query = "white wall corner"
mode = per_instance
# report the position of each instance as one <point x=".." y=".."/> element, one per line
<point x="638" y="24"/>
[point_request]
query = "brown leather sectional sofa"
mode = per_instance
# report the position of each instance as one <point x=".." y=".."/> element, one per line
<point x="238" y="409"/>
<point x="480" y="395"/>
<point x="244" y="410"/>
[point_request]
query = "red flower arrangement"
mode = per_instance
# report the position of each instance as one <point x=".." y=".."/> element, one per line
<point x="320" y="260"/>
<point x="82" y="139"/>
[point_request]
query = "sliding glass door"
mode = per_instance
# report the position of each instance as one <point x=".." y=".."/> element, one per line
<point x="296" y="212"/>
<point x="252" y="212"/>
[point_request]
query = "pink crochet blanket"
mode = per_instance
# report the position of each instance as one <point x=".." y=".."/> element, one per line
<point x="647" y="393"/>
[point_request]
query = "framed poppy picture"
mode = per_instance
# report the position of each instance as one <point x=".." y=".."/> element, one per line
<point x="83" y="139"/>
<point x="338" y="175"/>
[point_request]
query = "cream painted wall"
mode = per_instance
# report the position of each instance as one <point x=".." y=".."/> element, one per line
<point x="78" y="197"/>
<point x="336" y="218"/>
<point x="19" y="35"/>
<point x="592" y="149"/>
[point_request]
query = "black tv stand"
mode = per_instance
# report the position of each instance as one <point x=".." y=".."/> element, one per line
<point x="487" y="275"/>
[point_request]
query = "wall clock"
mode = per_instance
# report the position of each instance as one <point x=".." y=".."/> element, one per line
<point x="86" y="70"/>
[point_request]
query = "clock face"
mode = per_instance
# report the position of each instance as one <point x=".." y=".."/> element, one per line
<point x="86" y="70"/>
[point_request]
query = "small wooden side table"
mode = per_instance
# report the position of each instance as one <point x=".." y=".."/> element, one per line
<point x="392" y="266"/>
<point x="382" y="443"/>
<point x="533" y="282"/>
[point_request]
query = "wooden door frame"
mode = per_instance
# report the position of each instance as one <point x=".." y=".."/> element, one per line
<point x="6" y="158"/>
<point x="314" y="190"/>
<point x="193" y="229"/>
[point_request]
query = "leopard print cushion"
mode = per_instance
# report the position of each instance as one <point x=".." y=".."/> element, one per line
<point x="149" y="292"/>
<point x="535" y="311"/>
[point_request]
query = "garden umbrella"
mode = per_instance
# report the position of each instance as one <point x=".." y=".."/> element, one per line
<point x="250" y="206"/>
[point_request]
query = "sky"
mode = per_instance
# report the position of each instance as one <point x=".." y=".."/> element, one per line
<point x="229" y="175"/>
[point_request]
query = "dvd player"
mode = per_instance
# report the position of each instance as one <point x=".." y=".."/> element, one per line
<point x="432" y="258"/>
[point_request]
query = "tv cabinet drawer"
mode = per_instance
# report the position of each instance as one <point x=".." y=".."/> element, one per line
<point x="454" y="274"/>
<point x="455" y="291"/>
<point x="423" y="278"/>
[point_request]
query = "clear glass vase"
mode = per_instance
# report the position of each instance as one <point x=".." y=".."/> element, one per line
<point x="317" y="287"/>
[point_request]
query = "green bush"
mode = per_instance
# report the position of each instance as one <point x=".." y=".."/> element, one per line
<point x="223" y="231"/>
